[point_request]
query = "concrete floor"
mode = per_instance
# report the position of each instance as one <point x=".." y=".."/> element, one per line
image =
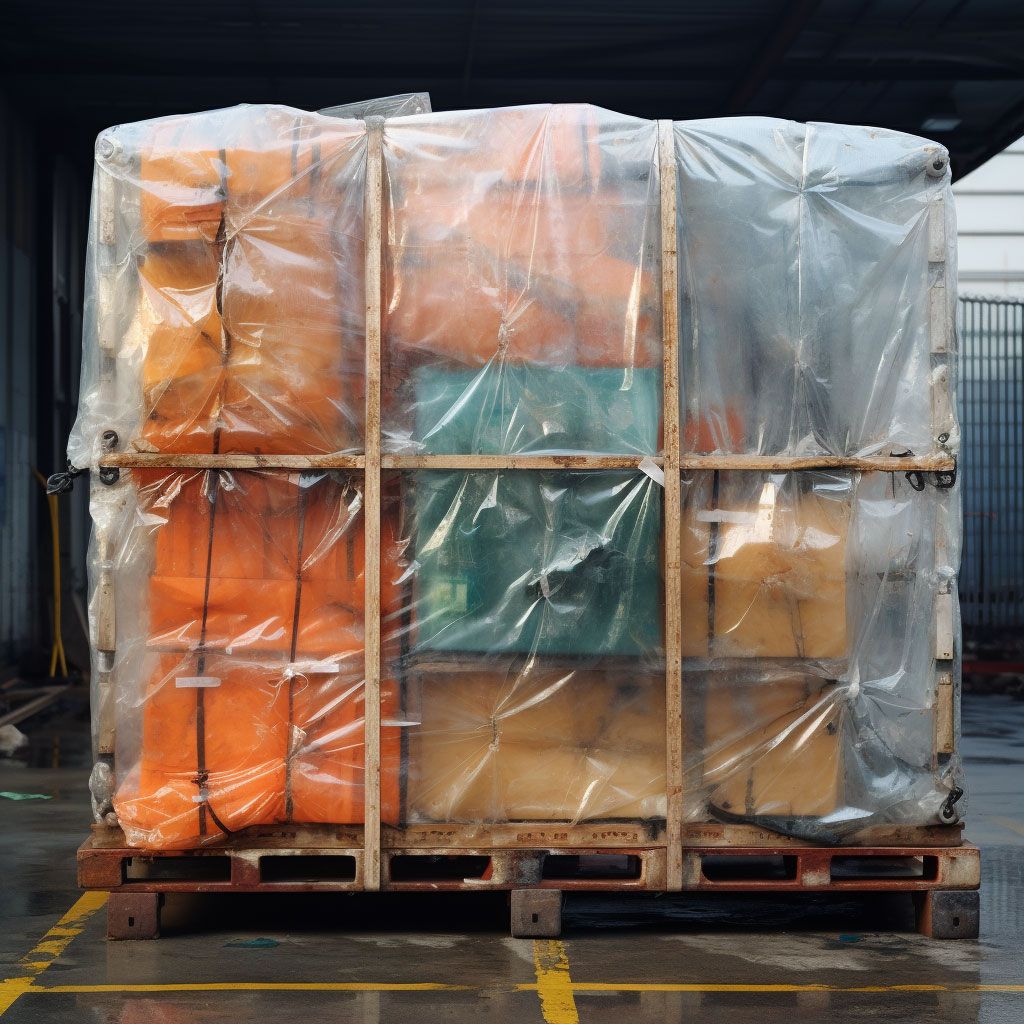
<point x="412" y="958"/>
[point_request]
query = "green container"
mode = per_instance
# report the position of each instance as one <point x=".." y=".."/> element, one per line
<point x="549" y="562"/>
<point x="507" y="409"/>
<point x="552" y="562"/>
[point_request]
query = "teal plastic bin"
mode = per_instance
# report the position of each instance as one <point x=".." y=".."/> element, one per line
<point x="552" y="562"/>
<point x="510" y="408"/>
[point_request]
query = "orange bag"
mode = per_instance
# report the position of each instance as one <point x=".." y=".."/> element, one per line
<point x="286" y="159"/>
<point x="294" y="322"/>
<point x="269" y="675"/>
<point x="527" y="277"/>
<point x="165" y="803"/>
<point x="179" y="331"/>
<point x="181" y="181"/>
<point x="262" y="228"/>
<point x="555" y="147"/>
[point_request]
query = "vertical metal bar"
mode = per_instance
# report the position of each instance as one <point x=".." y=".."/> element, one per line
<point x="1016" y="617"/>
<point x="1004" y="460"/>
<point x="673" y="540"/>
<point x="982" y="419"/>
<point x="971" y="485"/>
<point x="373" y="222"/>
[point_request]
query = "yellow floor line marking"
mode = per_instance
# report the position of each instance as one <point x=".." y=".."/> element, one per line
<point x="259" y="986"/>
<point x="543" y="986"/>
<point x="1013" y="826"/>
<point x="596" y="986"/>
<point x="554" y="986"/>
<point x="49" y="947"/>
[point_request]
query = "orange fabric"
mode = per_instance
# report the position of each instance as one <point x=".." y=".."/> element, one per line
<point x="251" y="600"/>
<point x="293" y="313"/>
<point x="181" y="186"/>
<point x="555" y="147"/>
<point x="503" y="245"/>
<point x="245" y="732"/>
<point x="179" y="329"/>
<point x="533" y="279"/>
<point x="284" y="372"/>
<point x="288" y="159"/>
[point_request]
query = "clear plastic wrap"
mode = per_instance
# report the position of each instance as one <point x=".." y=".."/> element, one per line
<point x="805" y="269"/>
<point x="522" y="604"/>
<point x="224" y="306"/>
<point x="523" y="303"/>
<point x="239" y="671"/>
<point x="807" y="642"/>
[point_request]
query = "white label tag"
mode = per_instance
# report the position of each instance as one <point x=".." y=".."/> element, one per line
<point x="653" y="470"/>
<point x="310" y="668"/>
<point x="196" y="682"/>
<point x="721" y="515"/>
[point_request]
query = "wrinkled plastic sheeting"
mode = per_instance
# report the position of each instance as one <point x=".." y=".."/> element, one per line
<point x="224" y="296"/>
<point x="239" y="666"/>
<point x="809" y="678"/>
<point x="523" y="283"/>
<point x="522" y="639"/>
<point x="805" y="276"/>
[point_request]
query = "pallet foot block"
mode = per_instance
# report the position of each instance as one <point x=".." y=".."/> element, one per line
<point x="948" y="913"/>
<point x="134" y="915"/>
<point x="536" y="913"/>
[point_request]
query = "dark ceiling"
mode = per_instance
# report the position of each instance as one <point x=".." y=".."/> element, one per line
<point x="949" y="69"/>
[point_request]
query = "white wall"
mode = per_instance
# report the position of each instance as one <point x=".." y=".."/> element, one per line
<point x="990" y="226"/>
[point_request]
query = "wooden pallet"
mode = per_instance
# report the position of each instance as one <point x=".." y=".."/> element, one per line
<point x="531" y="861"/>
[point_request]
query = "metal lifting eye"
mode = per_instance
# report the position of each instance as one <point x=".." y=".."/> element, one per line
<point x="914" y="476"/>
<point x="948" y="810"/>
<point x="946" y="478"/>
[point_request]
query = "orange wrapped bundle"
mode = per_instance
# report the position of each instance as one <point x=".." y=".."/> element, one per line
<point x="179" y="329"/>
<point x="295" y="361"/>
<point x="250" y="307"/>
<point x="513" y="237"/>
<point x="253" y="709"/>
<point x="181" y="182"/>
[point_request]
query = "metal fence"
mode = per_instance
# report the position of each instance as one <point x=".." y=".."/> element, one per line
<point x="991" y="397"/>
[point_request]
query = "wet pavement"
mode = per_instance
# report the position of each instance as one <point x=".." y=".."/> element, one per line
<point x="415" y="957"/>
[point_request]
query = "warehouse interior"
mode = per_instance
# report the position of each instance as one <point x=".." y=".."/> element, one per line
<point x="944" y="70"/>
<point x="948" y="70"/>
